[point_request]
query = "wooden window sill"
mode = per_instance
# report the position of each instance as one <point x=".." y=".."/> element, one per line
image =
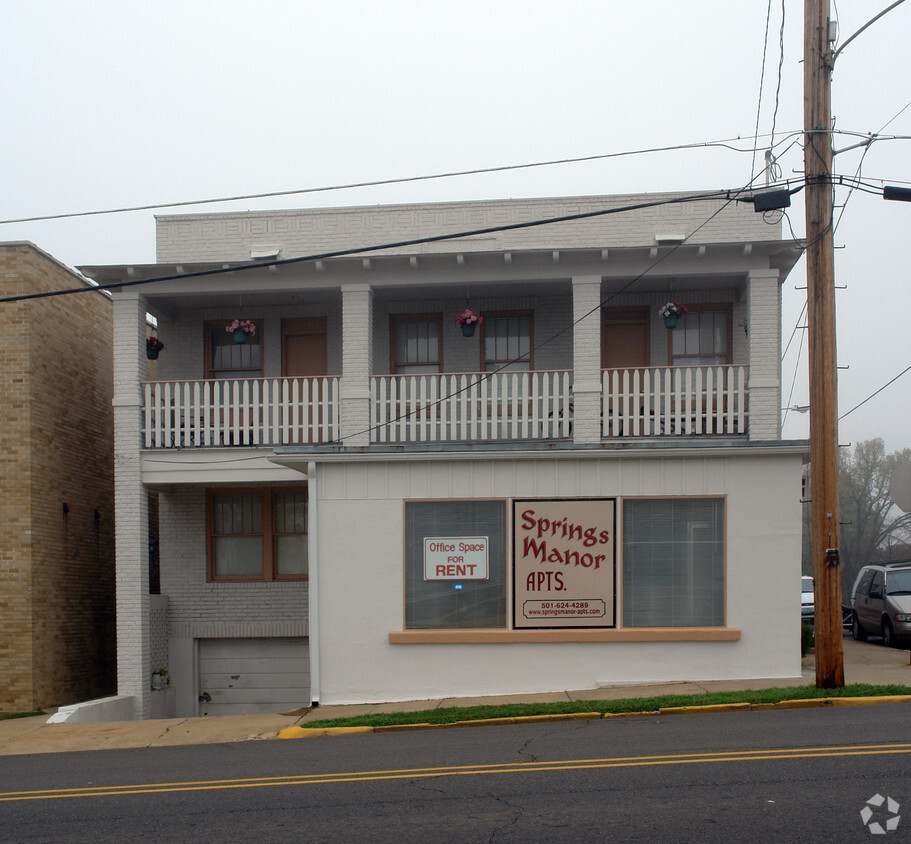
<point x="626" y="634"/>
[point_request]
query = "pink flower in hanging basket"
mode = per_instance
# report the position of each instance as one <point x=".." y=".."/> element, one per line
<point x="468" y="317"/>
<point x="245" y="325"/>
<point x="673" y="309"/>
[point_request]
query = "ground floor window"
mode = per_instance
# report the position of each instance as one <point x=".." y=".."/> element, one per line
<point x="455" y="564"/>
<point x="257" y="534"/>
<point x="561" y="555"/>
<point x="673" y="562"/>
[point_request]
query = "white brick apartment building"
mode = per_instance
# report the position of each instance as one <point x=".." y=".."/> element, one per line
<point x="360" y="503"/>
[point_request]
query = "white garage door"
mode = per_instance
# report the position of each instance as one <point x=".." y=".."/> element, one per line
<point x="245" y="676"/>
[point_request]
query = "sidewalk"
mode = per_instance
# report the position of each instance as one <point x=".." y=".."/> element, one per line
<point x="864" y="663"/>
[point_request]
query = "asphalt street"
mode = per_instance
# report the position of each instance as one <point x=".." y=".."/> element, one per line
<point x="751" y="776"/>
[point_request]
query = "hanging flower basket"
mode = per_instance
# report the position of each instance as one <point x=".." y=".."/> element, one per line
<point x="153" y="347"/>
<point x="671" y="312"/>
<point x="242" y="329"/>
<point x="469" y="321"/>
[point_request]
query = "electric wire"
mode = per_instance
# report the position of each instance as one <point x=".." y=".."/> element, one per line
<point x="803" y="310"/>
<point x="601" y="304"/>
<point x="794" y="379"/>
<point x="725" y="143"/>
<point x="765" y="47"/>
<point x="876" y="393"/>
<point x="339" y="253"/>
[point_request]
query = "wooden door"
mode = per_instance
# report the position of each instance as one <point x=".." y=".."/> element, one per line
<point x="304" y="347"/>
<point x="305" y="355"/>
<point x="624" y="338"/>
<point x="625" y="345"/>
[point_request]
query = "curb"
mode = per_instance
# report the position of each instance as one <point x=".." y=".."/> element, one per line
<point x="807" y="703"/>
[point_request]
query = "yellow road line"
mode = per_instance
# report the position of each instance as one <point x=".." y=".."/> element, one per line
<point x="465" y="770"/>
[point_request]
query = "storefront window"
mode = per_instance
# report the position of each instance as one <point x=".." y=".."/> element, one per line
<point x="673" y="562"/>
<point x="458" y="593"/>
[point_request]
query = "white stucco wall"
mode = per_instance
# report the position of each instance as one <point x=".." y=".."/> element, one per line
<point x="361" y="576"/>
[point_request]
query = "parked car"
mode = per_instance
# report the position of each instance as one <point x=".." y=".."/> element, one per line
<point x="807" y="604"/>
<point x="881" y="603"/>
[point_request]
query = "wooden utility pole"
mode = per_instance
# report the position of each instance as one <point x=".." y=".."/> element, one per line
<point x="820" y="256"/>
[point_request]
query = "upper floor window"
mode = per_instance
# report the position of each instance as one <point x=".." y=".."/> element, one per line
<point x="703" y="337"/>
<point x="257" y="534"/>
<point x="416" y="344"/>
<point x="507" y="341"/>
<point x="226" y="358"/>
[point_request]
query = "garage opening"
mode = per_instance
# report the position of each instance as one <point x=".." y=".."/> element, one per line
<point x="248" y="676"/>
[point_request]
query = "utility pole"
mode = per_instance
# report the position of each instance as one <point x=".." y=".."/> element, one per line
<point x="820" y="255"/>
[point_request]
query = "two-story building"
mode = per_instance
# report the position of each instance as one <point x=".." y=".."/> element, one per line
<point x="362" y="499"/>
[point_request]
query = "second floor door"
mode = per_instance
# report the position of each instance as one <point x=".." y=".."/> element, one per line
<point x="304" y="347"/>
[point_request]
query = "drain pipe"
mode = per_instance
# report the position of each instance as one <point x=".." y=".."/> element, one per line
<point x="313" y="584"/>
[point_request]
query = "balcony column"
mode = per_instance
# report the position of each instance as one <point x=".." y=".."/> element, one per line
<point x="763" y="322"/>
<point x="357" y="364"/>
<point x="131" y="504"/>
<point x="586" y="359"/>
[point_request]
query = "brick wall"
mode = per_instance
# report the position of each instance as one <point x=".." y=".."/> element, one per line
<point x="199" y="609"/>
<point x="56" y="449"/>
<point x="232" y="237"/>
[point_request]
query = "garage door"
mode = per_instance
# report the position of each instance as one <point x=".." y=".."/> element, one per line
<point x="245" y="676"/>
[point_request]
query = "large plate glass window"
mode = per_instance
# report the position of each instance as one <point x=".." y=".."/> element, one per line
<point x="673" y="562"/>
<point x="453" y="601"/>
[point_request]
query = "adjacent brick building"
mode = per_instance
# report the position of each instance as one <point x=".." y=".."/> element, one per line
<point x="56" y="486"/>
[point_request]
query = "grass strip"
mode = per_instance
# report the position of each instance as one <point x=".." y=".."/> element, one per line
<point x="7" y="717"/>
<point x="452" y="714"/>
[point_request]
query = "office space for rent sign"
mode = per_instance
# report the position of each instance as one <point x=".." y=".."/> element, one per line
<point x="564" y="560"/>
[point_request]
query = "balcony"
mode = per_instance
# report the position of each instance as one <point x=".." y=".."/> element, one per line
<point x="248" y="411"/>
<point x="445" y="408"/>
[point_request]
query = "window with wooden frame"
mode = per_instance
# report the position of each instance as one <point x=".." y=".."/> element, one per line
<point x="257" y="534"/>
<point x="416" y="344"/>
<point x="673" y="562"/>
<point x="226" y="359"/>
<point x="507" y="341"/>
<point x="702" y="337"/>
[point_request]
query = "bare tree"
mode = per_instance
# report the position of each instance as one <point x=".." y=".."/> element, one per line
<point x="871" y="523"/>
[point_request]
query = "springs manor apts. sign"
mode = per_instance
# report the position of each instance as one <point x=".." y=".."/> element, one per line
<point x="563" y="562"/>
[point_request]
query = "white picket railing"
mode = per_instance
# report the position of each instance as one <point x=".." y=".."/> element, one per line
<point x="249" y="411"/>
<point x="669" y="401"/>
<point x="469" y="407"/>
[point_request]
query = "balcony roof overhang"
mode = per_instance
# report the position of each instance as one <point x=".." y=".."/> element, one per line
<point x="428" y="274"/>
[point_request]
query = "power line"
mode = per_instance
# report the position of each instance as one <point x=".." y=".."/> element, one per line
<point x="725" y="143"/>
<point x="876" y="393"/>
<point x="487" y="375"/>
<point x="282" y="262"/>
<point x="765" y="47"/>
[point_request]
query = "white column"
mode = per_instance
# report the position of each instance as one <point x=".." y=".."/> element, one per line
<point x="357" y="364"/>
<point x="764" y="342"/>
<point x="131" y="504"/>
<point x="587" y="359"/>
